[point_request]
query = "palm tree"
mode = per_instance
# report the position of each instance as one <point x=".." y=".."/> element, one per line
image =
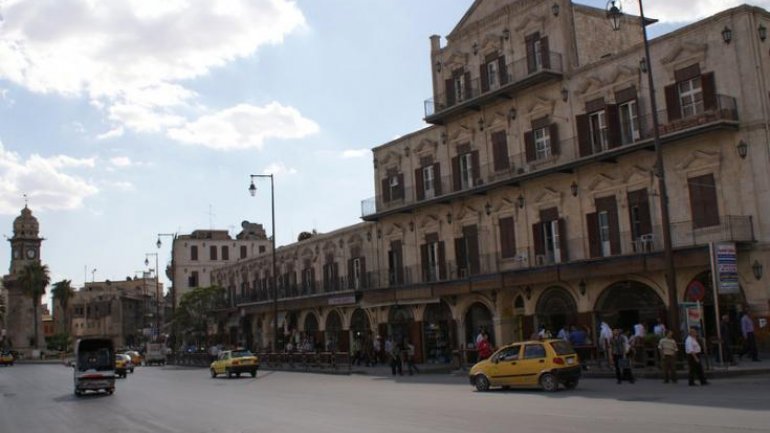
<point x="34" y="279"/>
<point x="62" y="293"/>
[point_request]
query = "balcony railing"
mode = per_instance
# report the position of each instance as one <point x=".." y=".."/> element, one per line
<point x="518" y="73"/>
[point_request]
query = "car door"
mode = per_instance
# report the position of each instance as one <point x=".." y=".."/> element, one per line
<point x="532" y="362"/>
<point x="221" y="365"/>
<point x="505" y="363"/>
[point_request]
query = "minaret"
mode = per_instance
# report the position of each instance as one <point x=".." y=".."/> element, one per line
<point x="20" y="317"/>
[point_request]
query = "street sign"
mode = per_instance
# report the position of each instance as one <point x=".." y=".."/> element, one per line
<point x="726" y="268"/>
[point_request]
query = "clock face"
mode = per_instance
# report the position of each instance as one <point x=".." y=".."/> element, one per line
<point x="16" y="253"/>
<point x="31" y="253"/>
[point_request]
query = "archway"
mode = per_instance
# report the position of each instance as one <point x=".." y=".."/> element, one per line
<point x="438" y="333"/>
<point x="701" y="289"/>
<point x="361" y="334"/>
<point x="400" y="320"/>
<point x="478" y="318"/>
<point x="556" y="308"/>
<point x="335" y="339"/>
<point x="626" y="303"/>
<point x="311" y="332"/>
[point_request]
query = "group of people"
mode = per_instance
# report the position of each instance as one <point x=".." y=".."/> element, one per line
<point x="400" y="353"/>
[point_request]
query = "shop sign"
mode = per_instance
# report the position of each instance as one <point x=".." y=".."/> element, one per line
<point x="342" y="300"/>
<point x="726" y="264"/>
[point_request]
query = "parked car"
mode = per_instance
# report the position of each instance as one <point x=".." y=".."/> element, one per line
<point x="6" y="358"/>
<point x="529" y="364"/>
<point x="123" y="365"/>
<point x="235" y="362"/>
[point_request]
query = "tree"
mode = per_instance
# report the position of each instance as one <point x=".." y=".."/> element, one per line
<point x="62" y="293"/>
<point x="34" y="278"/>
<point x="195" y="307"/>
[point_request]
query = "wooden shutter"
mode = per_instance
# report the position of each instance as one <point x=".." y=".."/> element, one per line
<point x="584" y="135"/>
<point x="450" y="92"/>
<point x="461" y="255"/>
<point x="335" y="276"/>
<point x="641" y="200"/>
<point x="594" y="241"/>
<point x="441" y="261"/>
<point x="563" y="240"/>
<point x="437" y="179"/>
<point x="673" y="106"/>
<point x="312" y="279"/>
<point x="456" y="173"/>
<point x="703" y="201"/>
<point x="385" y="188"/>
<point x="529" y="146"/>
<point x="614" y="228"/>
<point x="471" y="235"/>
<point x="507" y="237"/>
<point x="424" y="262"/>
<point x="400" y="187"/>
<point x="350" y="274"/>
<point x="537" y="238"/>
<point x="708" y="87"/>
<point x="530" y="43"/>
<point x="475" y="168"/>
<point x="484" y="77"/>
<point x="419" y="184"/>
<point x="467" y="83"/>
<point x="545" y="52"/>
<point x="613" y="126"/>
<point x="500" y="151"/>
<point x="364" y="279"/>
<point x="503" y="70"/>
<point x="554" y="135"/>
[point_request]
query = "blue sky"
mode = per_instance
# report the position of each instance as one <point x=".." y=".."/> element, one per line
<point x="135" y="117"/>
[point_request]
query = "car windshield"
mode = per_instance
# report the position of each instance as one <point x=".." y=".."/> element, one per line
<point x="240" y="353"/>
<point x="562" y="348"/>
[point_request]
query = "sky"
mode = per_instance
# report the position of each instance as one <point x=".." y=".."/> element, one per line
<point x="123" y="119"/>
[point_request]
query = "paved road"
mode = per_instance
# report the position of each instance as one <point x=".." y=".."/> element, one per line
<point x="39" y="398"/>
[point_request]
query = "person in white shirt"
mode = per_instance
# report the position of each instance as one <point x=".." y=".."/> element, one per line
<point x="659" y="329"/>
<point x="694" y="353"/>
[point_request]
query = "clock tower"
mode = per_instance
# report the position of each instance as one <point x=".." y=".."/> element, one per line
<point x="20" y="317"/>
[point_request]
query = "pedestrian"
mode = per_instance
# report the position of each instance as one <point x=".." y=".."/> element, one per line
<point x="543" y="333"/>
<point x="357" y="351"/>
<point x="726" y="332"/>
<point x="659" y="329"/>
<point x="618" y="349"/>
<point x="605" y="334"/>
<point x="395" y="358"/>
<point x="668" y="350"/>
<point x="749" y="339"/>
<point x="480" y="336"/>
<point x="563" y="333"/>
<point x="410" y="358"/>
<point x="694" y="351"/>
<point x="484" y="348"/>
<point x="377" y="348"/>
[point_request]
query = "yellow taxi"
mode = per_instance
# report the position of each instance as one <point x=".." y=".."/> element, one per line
<point x="136" y="357"/>
<point x="235" y="362"/>
<point x="529" y="364"/>
<point x="6" y="358"/>
<point x="122" y="365"/>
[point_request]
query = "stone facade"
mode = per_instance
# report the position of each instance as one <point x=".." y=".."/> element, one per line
<point x="532" y="199"/>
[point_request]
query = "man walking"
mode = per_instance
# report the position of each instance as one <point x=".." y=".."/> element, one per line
<point x="668" y="350"/>
<point x="694" y="353"/>
<point x="750" y="341"/>
<point x="618" y="348"/>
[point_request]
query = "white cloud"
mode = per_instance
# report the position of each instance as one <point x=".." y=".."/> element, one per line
<point x="687" y="11"/>
<point x="121" y="161"/>
<point x="129" y="57"/>
<point x="356" y="153"/>
<point x="244" y="126"/>
<point x="122" y="186"/>
<point x="44" y="180"/>
<point x="277" y="168"/>
<point x="112" y="133"/>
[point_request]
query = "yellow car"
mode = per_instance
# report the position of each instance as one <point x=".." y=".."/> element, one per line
<point x="6" y="358"/>
<point x="122" y="365"/>
<point x="136" y="357"/>
<point x="235" y="362"/>
<point x="529" y="364"/>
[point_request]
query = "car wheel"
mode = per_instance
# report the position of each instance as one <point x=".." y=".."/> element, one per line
<point x="110" y="391"/>
<point x="548" y="382"/>
<point x="571" y="384"/>
<point x="229" y="374"/>
<point x="78" y="393"/>
<point x="237" y="374"/>
<point x="213" y="373"/>
<point x="482" y="383"/>
<point x="253" y="373"/>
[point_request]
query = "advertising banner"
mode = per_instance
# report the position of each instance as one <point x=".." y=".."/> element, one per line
<point x="726" y="263"/>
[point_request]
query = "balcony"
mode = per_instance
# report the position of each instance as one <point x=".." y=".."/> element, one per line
<point x="518" y="77"/>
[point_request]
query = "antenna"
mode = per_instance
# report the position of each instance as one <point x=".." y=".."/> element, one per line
<point x="211" y="217"/>
<point x="26" y="200"/>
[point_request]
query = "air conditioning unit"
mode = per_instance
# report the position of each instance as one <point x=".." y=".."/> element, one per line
<point x="540" y="259"/>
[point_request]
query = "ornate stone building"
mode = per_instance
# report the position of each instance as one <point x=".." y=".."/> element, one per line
<point x="20" y="317"/>
<point x="532" y="198"/>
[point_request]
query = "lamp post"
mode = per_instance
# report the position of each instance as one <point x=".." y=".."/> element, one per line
<point x="157" y="292"/>
<point x="614" y="14"/>
<point x="172" y="289"/>
<point x="253" y="192"/>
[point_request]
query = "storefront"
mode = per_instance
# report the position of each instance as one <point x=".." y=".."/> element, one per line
<point x="400" y="321"/>
<point x="701" y="290"/>
<point x="556" y="308"/>
<point x="438" y="333"/>
<point x="478" y="318"/>
<point x="311" y="330"/>
<point x="334" y="339"/>
<point x="627" y="303"/>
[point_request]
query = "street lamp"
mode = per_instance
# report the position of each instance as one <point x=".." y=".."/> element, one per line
<point x="172" y="289"/>
<point x="253" y="192"/>
<point x="615" y="14"/>
<point x="157" y="291"/>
